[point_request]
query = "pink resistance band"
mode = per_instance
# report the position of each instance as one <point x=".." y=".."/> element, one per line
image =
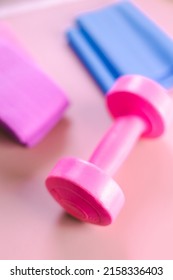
<point x="30" y="102"/>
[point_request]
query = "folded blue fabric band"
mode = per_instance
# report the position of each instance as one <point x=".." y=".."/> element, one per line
<point x="118" y="40"/>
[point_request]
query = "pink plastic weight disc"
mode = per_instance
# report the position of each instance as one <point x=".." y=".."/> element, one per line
<point x="137" y="95"/>
<point x="85" y="191"/>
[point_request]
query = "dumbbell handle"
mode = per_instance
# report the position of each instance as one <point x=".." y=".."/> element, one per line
<point x="117" y="143"/>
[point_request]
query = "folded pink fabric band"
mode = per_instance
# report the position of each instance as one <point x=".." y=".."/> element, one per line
<point x="30" y="102"/>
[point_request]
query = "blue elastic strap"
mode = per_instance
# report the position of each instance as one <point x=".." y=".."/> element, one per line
<point x="120" y="39"/>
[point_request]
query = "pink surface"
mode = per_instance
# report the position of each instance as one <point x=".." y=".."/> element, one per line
<point x="33" y="225"/>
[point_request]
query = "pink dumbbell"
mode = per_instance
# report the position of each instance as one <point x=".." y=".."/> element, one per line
<point x="85" y="189"/>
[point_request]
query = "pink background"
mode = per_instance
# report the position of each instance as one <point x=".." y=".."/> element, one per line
<point x="32" y="225"/>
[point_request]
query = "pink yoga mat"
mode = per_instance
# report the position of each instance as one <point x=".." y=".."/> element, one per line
<point x="31" y="103"/>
